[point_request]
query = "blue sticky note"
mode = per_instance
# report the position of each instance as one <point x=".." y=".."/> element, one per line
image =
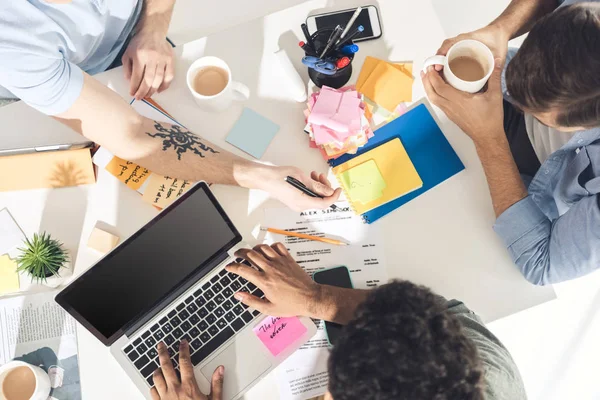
<point x="252" y="133"/>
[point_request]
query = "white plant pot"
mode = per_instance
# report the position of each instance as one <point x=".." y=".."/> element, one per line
<point x="56" y="280"/>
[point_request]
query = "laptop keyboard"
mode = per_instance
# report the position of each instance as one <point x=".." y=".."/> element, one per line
<point x="206" y="319"/>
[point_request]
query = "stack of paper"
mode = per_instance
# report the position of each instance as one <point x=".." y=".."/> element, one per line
<point x="337" y="121"/>
<point x="384" y="83"/>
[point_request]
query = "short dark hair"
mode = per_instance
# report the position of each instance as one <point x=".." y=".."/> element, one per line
<point x="558" y="66"/>
<point x="404" y="345"/>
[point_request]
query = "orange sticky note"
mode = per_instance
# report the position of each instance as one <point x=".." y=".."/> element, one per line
<point x="46" y="170"/>
<point x="127" y="172"/>
<point x="385" y="83"/>
<point x="278" y="333"/>
<point x="161" y="191"/>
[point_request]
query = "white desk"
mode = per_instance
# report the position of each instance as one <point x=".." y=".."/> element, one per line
<point x="442" y="239"/>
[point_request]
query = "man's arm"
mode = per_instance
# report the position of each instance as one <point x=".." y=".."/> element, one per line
<point x="148" y="60"/>
<point x="516" y="20"/>
<point x="105" y="118"/>
<point x="289" y="291"/>
<point x="521" y="15"/>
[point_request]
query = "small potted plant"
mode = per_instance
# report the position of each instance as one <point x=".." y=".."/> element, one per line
<point x="44" y="259"/>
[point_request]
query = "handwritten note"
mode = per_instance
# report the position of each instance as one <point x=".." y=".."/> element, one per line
<point x="278" y="333"/>
<point x="9" y="278"/>
<point x="163" y="190"/>
<point x="127" y="172"/>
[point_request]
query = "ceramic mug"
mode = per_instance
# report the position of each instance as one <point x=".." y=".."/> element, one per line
<point x="465" y="48"/>
<point x="222" y="100"/>
<point x="42" y="380"/>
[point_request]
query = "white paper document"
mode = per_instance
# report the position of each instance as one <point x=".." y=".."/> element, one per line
<point x="304" y="374"/>
<point x="11" y="236"/>
<point x="36" y="330"/>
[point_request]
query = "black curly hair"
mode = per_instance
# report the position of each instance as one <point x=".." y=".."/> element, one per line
<point x="403" y="344"/>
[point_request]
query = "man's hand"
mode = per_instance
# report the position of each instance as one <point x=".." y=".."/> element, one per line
<point x="492" y="36"/>
<point x="274" y="183"/>
<point x="289" y="291"/>
<point x="168" y="386"/>
<point x="148" y="64"/>
<point x="480" y="115"/>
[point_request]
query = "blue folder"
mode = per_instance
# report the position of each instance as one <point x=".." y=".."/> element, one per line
<point x="428" y="148"/>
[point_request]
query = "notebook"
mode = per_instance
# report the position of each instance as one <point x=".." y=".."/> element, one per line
<point x="378" y="176"/>
<point x="428" y="149"/>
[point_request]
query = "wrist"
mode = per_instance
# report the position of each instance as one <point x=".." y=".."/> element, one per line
<point x="501" y="30"/>
<point x="253" y="175"/>
<point x="319" y="304"/>
<point x="492" y="142"/>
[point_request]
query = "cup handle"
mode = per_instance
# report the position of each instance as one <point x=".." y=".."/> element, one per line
<point x="240" y="91"/>
<point x="435" y="60"/>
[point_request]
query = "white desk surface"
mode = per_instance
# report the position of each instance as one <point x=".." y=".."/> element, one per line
<point x="442" y="239"/>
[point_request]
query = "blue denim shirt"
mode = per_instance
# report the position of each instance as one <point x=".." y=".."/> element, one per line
<point x="553" y="234"/>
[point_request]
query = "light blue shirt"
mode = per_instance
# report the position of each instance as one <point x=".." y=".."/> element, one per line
<point x="553" y="234"/>
<point x="44" y="47"/>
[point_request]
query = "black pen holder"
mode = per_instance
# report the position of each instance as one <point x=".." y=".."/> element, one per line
<point x="342" y="75"/>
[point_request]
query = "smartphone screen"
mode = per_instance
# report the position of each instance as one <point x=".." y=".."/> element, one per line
<point x="340" y="277"/>
<point x="332" y="20"/>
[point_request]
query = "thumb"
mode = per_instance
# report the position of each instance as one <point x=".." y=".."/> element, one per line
<point x="216" y="385"/>
<point x="259" y="304"/>
<point x="495" y="83"/>
<point x="320" y="188"/>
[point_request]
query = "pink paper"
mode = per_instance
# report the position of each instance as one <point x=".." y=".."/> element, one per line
<point x="279" y="333"/>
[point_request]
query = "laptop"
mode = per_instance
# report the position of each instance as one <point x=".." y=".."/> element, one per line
<point x="167" y="282"/>
<point x="52" y="137"/>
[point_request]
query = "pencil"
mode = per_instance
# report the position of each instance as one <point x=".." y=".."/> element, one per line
<point x="303" y="236"/>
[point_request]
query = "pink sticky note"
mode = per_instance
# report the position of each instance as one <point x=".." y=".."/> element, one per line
<point x="278" y="333"/>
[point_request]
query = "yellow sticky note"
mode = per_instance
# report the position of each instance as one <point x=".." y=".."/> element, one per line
<point x="364" y="182"/>
<point x="9" y="278"/>
<point x="163" y="190"/>
<point x="127" y="172"/>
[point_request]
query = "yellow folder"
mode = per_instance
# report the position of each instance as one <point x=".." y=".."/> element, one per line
<point x="377" y="177"/>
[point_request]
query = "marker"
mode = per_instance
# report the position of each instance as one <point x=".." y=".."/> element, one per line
<point x="342" y="62"/>
<point x="332" y="40"/>
<point x="358" y="31"/>
<point x="307" y="36"/>
<point x="352" y="19"/>
<point x="307" y="49"/>
<point x="301" y="187"/>
<point x="349" y="49"/>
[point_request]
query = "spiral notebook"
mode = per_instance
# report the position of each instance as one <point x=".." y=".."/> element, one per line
<point x="378" y="176"/>
<point x="428" y="149"/>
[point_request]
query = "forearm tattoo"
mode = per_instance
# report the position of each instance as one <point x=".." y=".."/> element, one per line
<point x="180" y="139"/>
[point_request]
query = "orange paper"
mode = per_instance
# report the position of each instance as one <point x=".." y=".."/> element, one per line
<point x="385" y="83"/>
<point x="46" y="170"/>
<point x="127" y="172"/>
<point x="161" y="191"/>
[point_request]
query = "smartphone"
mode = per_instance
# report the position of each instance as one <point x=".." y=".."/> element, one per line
<point x="340" y="277"/>
<point x="368" y="18"/>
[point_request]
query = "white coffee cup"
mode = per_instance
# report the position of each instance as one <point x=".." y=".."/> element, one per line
<point x="42" y="380"/>
<point x="222" y="100"/>
<point x="465" y="48"/>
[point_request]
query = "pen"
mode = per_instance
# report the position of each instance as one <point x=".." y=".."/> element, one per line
<point x="352" y="19"/>
<point x="307" y="49"/>
<point x="307" y="36"/>
<point x="342" y="62"/>
<point x="301" y="187"/>
<point x="170" y="42"/>
<point x="359" y="30"/>
<point x="332" y="40"/>
<point x="349" y="49"/>
<point x="304" y="236"/>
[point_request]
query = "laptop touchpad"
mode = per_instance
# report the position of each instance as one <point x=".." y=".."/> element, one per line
<point x="243" y="364"/>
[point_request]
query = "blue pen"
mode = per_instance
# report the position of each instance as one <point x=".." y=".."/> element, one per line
<point x="349" y="49"/>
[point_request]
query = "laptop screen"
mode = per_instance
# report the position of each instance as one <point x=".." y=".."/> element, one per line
<point x="147" y="267"/>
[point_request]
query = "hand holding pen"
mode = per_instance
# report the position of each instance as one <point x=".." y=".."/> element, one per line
<point x="320" y="189"/>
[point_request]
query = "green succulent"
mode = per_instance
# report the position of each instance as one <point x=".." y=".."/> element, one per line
<point x="42" y="257"/>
